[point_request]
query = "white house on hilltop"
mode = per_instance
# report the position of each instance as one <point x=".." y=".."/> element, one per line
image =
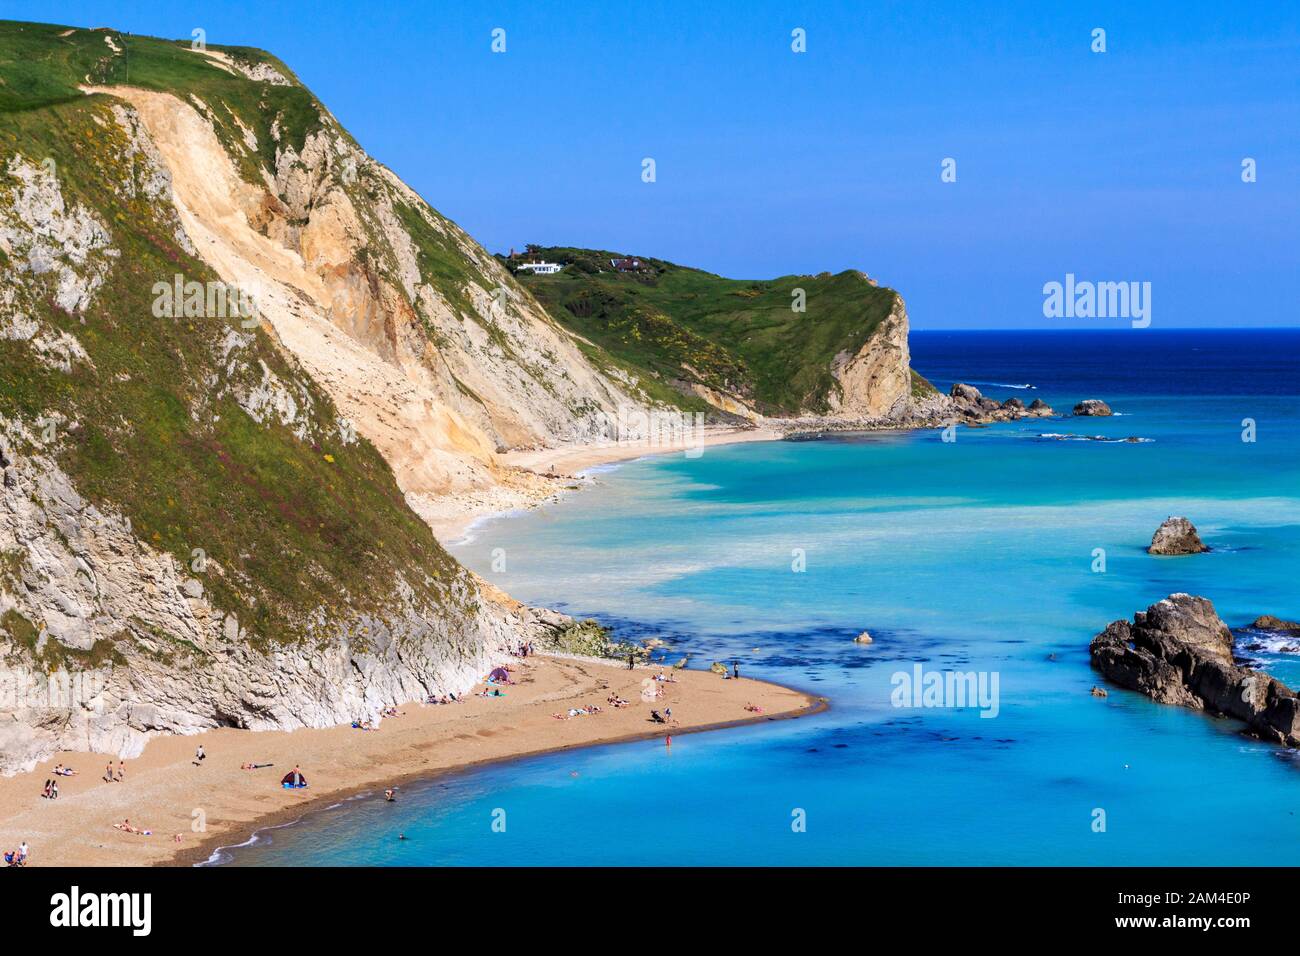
<point x="540" y="268"/>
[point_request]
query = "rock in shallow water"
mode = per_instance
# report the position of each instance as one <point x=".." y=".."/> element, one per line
<point x="1093" y="407"/>
<point x="1178" y="651"/>
<point x="1176" y="535"/>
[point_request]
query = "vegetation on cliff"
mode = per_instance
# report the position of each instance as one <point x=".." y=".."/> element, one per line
<point x="742" y="338"/>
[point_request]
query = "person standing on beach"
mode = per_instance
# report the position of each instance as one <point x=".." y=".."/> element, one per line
<point x="199" y="756"/>
<point x="121" y="770"/>
<point x="108" y="773"/>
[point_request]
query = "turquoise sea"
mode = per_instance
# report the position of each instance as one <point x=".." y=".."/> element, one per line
<point x="976" y="555"/>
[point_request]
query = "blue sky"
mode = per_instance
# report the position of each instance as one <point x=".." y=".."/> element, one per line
<point x="1123" y="165"/>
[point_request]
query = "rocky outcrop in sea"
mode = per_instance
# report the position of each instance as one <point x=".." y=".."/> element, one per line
<point x="1092" y="407"/>
<point x="1176" y="535"/>
<point x="1267" y="622"/>
<point x="972" y="405"/>
<point x="1179" y="651"/>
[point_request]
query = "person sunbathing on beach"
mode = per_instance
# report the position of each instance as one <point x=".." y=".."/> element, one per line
<point x="126" y="827"/>
<point x="63" y="771"/>
<point x="17" y="857"/>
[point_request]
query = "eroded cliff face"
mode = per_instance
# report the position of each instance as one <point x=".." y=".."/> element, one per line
<point x="440" y="373"/>
<point x="876" y="381"/>
<point x="320" y="598"/>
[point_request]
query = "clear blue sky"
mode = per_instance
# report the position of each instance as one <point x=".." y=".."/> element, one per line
<point x="1117" y="166"/>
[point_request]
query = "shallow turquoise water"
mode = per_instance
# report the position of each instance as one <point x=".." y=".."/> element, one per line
<point x="974" y="556"/>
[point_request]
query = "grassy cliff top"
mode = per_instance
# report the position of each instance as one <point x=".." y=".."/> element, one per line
<point x="44" y="65"/>
<point x="740" y="336"/>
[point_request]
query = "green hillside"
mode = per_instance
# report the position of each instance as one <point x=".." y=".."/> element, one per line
<point x="677" y="325"/>
<point x="296" y="520"/>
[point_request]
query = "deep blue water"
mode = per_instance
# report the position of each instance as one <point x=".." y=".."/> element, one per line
<point x="976" y="555"/>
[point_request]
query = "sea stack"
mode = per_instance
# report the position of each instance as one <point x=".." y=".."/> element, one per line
<point x="1179" y="651"/>
<point x="1176" y="535"/>
<point x="1267" y="622"/>
<point x="1093" y="407"/>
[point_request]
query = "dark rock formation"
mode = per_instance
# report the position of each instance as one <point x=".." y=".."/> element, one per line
<point x="1093" y="407"/>
<point x="1178" y="651"/>
<point x="1176" y="535"/>
<point x="973" y="406"/>
<point x="1267" y="622"/>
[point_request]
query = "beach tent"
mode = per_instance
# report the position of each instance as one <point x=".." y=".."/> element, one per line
<point x="500" y="674"/>
<point x="292" y="779"/>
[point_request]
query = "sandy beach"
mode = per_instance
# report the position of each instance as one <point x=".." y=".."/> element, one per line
<point x="532" y="477"/>
<point x="165" y="791"/>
